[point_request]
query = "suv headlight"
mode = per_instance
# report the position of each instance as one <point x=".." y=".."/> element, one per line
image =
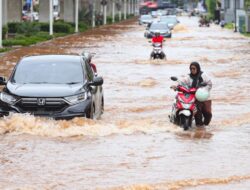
<point x="77" y="98"/>
<point x="7" y="98"/>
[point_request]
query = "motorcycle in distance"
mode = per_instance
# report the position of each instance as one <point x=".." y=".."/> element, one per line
<point x="157" y="52"/>
<point x="184" y="107"/>
<point x="204" y="22"/>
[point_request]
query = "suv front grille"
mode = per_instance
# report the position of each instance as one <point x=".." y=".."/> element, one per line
<point x="41" y="106"/>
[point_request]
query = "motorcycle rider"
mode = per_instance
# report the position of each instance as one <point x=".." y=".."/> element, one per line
<point x="88" y="58"/>
<point x="194" y="79"/>
<point x="158" y="38"/>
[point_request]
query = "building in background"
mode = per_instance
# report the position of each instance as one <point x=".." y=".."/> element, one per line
<point x="235" y="11"/>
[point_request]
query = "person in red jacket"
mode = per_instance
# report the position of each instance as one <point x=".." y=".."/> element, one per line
<point x="157" y="38"/>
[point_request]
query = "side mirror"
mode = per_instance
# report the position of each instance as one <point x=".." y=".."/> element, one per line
<point x="174" y="78"/>
<point x="203" y="84"/>
<point x="3" y="81"/>
<point x="97" y="81"/>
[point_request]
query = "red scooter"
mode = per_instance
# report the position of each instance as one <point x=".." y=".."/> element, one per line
<point x="184" y="107"/>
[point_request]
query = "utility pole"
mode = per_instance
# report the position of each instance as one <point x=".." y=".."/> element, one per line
<point x="77" y="16"/>
<point x="113" y="11"/>
<point x="105" y="13"/>
<point x="1" y="24"/>
<point x="120" y="10"/>
<point x="93" y="14"/>
<point x="125" y="9"/>
<point x="132" y="7"/>
<point x="31" y="10"/>
<point x="51" y="17"/>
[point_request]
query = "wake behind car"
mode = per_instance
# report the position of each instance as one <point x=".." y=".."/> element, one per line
<point x="57" y="86"/>
<point x="159" y="27"/>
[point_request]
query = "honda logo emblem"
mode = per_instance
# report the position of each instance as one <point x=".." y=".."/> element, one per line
<point x="41" y="101"/>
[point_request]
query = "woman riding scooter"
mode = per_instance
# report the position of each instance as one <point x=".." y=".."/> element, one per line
<point x="194" y="79"/>
<point x="157" y="42"/>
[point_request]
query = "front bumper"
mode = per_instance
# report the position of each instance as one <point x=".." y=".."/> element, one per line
<point x="68" y="112"/>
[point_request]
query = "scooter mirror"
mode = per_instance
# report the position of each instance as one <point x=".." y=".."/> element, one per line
<point x="203" y="84"/>
<point x="174" y="78"/>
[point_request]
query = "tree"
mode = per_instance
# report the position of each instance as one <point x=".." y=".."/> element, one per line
<point x="247" y="4"/>
<point x="211" y="7"/>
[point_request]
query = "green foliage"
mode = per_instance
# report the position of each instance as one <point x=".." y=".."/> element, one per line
<point x="247" y="4"/>
<point x="4" y="50"/>
<point x="25" y="40"/>
<point x="130" y="16"/>
<point x="85" y="16"/>
<point x="229" y="26"/>
<point x="58" y="27"/>
<point x="211" y="6"/>
<point x="246" y="34"/>
<point x="62" y="27"/>
<point x="83" y="26"/>
<point x="244" y="29"/>
<point x="109" y="19"/>
<point x="4" y="32"/>
<point x="28" y="28"/>
<point x="13" y="27"/>
<point x="44" y="27"/>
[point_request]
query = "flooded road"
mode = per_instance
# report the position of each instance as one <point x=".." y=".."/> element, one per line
<point x="133" y="145"/>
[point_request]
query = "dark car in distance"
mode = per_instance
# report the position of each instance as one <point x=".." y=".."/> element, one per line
<point x="162" y="28"/>
<point x="57" y="86"/>
<point x="145" y="19"/>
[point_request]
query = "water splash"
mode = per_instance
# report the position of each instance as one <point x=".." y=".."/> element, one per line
<point x="181" y="184"/>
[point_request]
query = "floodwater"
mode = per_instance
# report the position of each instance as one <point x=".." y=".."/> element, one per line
<point x="133" y="145"/>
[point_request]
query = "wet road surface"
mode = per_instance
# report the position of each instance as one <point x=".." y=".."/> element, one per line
<point x="134" y="146"/>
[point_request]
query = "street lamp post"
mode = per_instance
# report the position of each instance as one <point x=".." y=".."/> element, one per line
<point x="113" y="11"/>
<point x="104" y="6"/>
<point x="235" y="16"/>
<point x="51" y="17"/>
<point x="125" y="9"/>
<point x="93" y="14"/>
<point x="77" y="16"/>
<point x="120" y="10"/>
<point x="31" y="10"/>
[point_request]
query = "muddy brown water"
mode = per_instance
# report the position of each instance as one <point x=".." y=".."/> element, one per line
<point x="133" y="145"/>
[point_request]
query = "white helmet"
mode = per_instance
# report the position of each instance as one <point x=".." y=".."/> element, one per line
<point x="157" y="32"/>
<point x="202" y="94"/>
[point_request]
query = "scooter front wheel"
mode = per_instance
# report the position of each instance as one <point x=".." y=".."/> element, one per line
<point x="185" y="122"/>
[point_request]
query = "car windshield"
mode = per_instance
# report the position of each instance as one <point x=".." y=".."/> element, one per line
<point x="146" y="17"/>
<point x="158" y="26"/>
<point x="49" y="71"/>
